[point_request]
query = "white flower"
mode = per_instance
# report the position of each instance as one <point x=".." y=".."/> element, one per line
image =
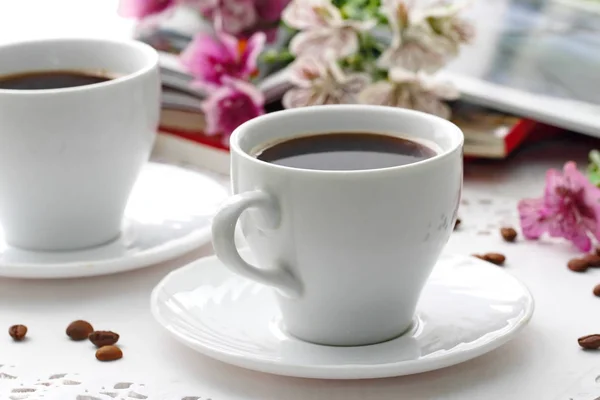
<point x="407" y="89"/>
<point x="445" y="21"/>
<point x="422" y="38"/>
<point x="417" y="48"/>
<point x="322" y="29"/>
<point x="310" y="14"/>
<point x="322" y="82"/>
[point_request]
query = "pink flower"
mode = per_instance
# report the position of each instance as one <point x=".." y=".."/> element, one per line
<point x="319" y="82"/>
<point x="233" y="16"/>
<point x="231" y="105"/>
<point x="570" y="208"/>
<point x="322" y="29"/>
<point x="209" y="58"/>
<point x="143" y="8"/>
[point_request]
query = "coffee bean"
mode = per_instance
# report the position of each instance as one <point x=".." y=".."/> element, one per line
<point x="495" y="258"/>
<point x="598" y="251"/>
<point x="597" y="290"/>
<point x="109" y="353"/>
<point x="457" y="223"/>
<point x="590" y="342"/>
<point x="103" y="338"/>
<point x="593" y="260"/>
<point x="577" y="265"/>
<point x="17" y="332"/>
<point x="79" y="330"/>
<point x="508" y="234"/>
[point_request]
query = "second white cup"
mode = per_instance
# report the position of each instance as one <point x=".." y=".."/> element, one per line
<point x="69" y="157"/>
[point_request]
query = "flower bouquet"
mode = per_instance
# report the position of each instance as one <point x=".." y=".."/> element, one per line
<point x="382" y="52"/>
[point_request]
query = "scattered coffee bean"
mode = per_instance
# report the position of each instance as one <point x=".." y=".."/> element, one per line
<point x="508" y="234"/>
<point x="593" y="260"/>
<point x="109" y="353"/>
<point x="597" y="290"/>
<point x="457" y="223"/>
<point x="103" y="338"/>
<point x="590" y="342"/>
<point x="79" y="330"/>
<point x="17" y="332"/>
<point x="577" y="265"/>
<point x="495" y="258"/>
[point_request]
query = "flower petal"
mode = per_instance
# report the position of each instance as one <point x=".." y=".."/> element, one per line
<point x="442" y="90"/>
<point x="231" y="105"/>
<point x="566" y="225"/>
<point x="237" y="15"/>
<point x="429" y="103"/>
<point x="229" y="45"/>
<point x="254" y="46"/>
<point x="413" y="56"/>
<point x="533" y="218"/>
<point x="212" y="111"/>
<point x="202" y="56"/>
<point x="359" y="26"/>
<point x="248" y="89"/>
<point x="307" y="14"/>
<point x="397" y="13"/>
<point x="298" y="97"/>
<point x="317" y="42"/>
<point x="552" y="198"/>
<point x="143" y="8"/>
<point x="586" y="196"/>
<point x="378" y="93"/>
<point x="447" y="10"/>
<point x="581" y="240"/>
<point x="305" y="70"/>
<point x="401" y="75"/>
<point x="356" y="82"/>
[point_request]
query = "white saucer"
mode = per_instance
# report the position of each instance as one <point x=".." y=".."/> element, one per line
<point x="469" y="307"/>
<point x="169" y="213"/>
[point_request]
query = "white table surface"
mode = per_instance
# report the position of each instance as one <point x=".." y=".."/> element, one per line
<point x="540" y="363"/>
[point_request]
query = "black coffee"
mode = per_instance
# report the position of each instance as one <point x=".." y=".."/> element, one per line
<point x="36" y="80"/>
<point x="345" y="152"/>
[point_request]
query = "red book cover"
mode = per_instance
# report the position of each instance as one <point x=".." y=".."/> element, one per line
<point x="493" y="134"/>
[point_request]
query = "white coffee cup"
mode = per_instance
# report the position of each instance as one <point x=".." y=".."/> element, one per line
<point x="348" y="251"/>
<point x="69" y="157"/>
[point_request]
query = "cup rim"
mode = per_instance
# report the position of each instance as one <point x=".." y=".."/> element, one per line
<point x="253" y="123"/>
<point x="149" y="52"/>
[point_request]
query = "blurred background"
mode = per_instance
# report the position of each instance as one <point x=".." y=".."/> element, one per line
<point x="533" y="65"/>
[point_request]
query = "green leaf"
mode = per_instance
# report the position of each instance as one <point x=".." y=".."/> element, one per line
<point x="593" y="170"/>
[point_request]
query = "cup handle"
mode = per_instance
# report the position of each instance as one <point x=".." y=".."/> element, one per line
<point x="223" y="233"/>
